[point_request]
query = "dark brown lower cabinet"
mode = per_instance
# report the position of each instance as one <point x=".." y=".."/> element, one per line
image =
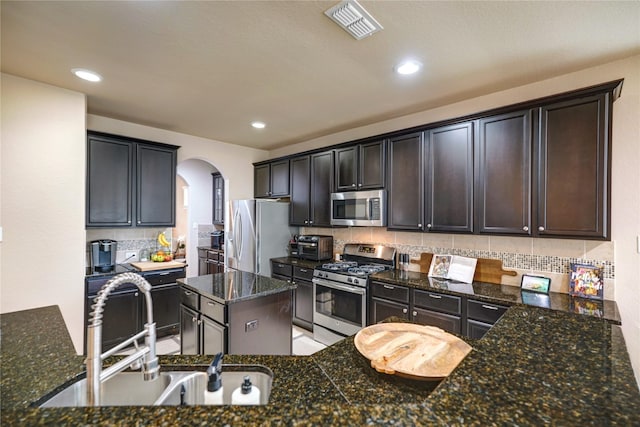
<point x="452" y="313"/>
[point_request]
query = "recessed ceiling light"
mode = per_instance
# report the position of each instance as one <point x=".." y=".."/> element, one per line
<point x="258" y="125"/>
<point x="408" y="67"/>
<point x="87" y="75"/>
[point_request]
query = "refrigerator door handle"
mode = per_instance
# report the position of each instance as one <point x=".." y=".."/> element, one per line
<point x="239" y="242"/>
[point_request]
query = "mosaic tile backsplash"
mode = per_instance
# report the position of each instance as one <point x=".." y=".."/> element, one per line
<point x="546" y="257"/>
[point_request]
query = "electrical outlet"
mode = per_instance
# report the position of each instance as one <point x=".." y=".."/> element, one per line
<point x="130" y="256"/>
<point x="251" y="325"/>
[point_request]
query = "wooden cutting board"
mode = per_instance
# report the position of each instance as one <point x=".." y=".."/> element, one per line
<point x="487" y="270"/>
<point x="412" y="351"/>
<point x="150" y="265"/>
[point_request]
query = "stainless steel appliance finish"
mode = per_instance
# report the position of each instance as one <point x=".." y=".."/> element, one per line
<point x="103" y="254"/>
<point x="258" y="231"/>
<point x="315" y="248"/>
<point x="359" y="208"/>
<point x="340" y="290"/>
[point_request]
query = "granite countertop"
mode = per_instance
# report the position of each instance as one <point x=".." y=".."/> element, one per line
<point x="235" y="285"/>
<point x="304" y="263"/>
<point x="535" y="366"/>
<point x="505" y="294"/>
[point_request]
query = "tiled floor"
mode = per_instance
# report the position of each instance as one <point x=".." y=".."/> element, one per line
<point x="303" y="344"/>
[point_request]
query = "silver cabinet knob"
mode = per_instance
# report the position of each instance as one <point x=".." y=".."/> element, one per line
<point x="404" y="310"/>
<point x="428" y="225"/>
<point x="310" y="222"/>
<point x="541" y="228"/>
<point x="415" y="313"/>
<point x="139" y="222"/>
<point x="419" y="225"/>
<point x="193" y="319"/>
<point x="525" y="228"/>
<point x="306" y="222"/>
<point x="359" y="185"/>
<point x="353" y="185"/>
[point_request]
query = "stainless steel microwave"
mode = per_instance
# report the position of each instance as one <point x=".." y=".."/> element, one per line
<point x="360" y="208"/>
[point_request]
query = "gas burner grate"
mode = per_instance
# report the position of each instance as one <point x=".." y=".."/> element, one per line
<point x="366" y="269"/>
<point x="339" y="266"/>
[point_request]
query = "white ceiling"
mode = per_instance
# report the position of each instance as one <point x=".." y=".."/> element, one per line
<point x="209" y="68"/>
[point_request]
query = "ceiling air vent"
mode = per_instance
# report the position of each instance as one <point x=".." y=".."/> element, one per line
<point x="354" y="19"/>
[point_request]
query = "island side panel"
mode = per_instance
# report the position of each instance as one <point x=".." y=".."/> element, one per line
<point x="261" y="325"/>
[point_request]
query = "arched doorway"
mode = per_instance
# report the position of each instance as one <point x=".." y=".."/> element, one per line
<point x="194" y="214"/>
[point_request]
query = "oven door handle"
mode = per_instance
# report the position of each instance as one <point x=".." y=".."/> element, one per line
<point x="353" y="289"/>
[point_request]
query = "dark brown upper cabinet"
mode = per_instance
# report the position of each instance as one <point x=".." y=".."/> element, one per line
<point x="503" y="174"/>
<point x="156" y="189"/>
<point x="130" y="182"/>
<point x="360" y="167"/>
<point x="311" y="186"/>
<point x="574" y="168"/>
<point x="218" y="198"/>
<point x="271" y="179"/>
<point x="449" y="178"/>
<point x="406" y="182"/>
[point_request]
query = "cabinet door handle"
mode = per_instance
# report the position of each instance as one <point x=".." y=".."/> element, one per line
<point x="388" y="287"/>
<point x="404" y="310"/>
<point x="303" y="270"/>
<point x="428" y="225"/>
<point x="193" y="319"/>
<point x="419" y="225"/>
<point x="306" y="222"/>
<point x="280" y="265"/>
<point x="353" y="185"/>
<point x="199" y="322"/>
<point x="489" y="307"/>
<point x="163" y="274"/>
<point x="541" y="228"/>
<point x="360" y="185"/>
<point x="525" y="228"/>
<point x="211" y="303"/>
<point x="138" y="222"/>
<point x="136" y="294"/>
<point x="415" y="313"/>
<point x="435" y="296"/>
<point x="310" y="222"/>
<point x="187" y="293"/>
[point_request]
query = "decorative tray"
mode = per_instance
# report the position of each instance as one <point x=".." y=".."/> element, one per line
<point x="412" y="351"/>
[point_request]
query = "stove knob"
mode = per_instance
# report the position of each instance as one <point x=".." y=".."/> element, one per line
<point x="355" y="281"/>
<point x="349" y="279"/>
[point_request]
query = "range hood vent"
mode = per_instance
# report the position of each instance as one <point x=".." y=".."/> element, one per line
<point x="353" y="19"/>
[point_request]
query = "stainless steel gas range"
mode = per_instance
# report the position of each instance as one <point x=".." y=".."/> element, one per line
<point x="340" y="290"/>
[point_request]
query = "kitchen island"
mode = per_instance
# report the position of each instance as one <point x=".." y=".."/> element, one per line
<point x="534" y="367"/>
<point x="235" y="312"/>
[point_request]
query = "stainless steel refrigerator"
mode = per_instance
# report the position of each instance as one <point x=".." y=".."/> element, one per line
<point x="258" y="231"/>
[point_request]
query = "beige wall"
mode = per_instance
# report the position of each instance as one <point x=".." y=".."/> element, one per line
<point x="625" y="179"/>
<point x="43" y="176"/>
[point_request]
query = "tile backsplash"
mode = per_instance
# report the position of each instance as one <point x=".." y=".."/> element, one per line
<point x="129" y="240"/>
<point x="545" y="257"/>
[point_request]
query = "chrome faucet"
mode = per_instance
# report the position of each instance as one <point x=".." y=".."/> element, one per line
<point x="144" y="357"/>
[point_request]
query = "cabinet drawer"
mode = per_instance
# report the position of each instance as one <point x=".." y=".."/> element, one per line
<point x="212" y="309"/>
<point x="302" y="273"/>
<point x="202" y="253"/>
<point x="443" y="321"/>
<point x="164" y="277"/>
<point x="392" y="292"/>
<point x="439" y="302"/>
<point x="485" y="312"/>
<point x="281" y="269"/>
<point x="189" y="298"/>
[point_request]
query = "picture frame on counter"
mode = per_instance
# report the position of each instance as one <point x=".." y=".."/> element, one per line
<point x="586" y="281"/>
<point x="539" y="284"/>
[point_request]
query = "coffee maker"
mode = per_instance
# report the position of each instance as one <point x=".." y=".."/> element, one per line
<point x="103" y="254"/>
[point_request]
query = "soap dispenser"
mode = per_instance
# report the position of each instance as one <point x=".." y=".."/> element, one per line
<point x="246" y="394"/>
<point x="213" y="393"/>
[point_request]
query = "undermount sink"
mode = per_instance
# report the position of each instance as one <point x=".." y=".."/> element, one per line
<point x="129" y="388"/>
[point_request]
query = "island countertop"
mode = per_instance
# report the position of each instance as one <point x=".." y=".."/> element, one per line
<point x="235" y="285"/>
<point x="534" y="367"/>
